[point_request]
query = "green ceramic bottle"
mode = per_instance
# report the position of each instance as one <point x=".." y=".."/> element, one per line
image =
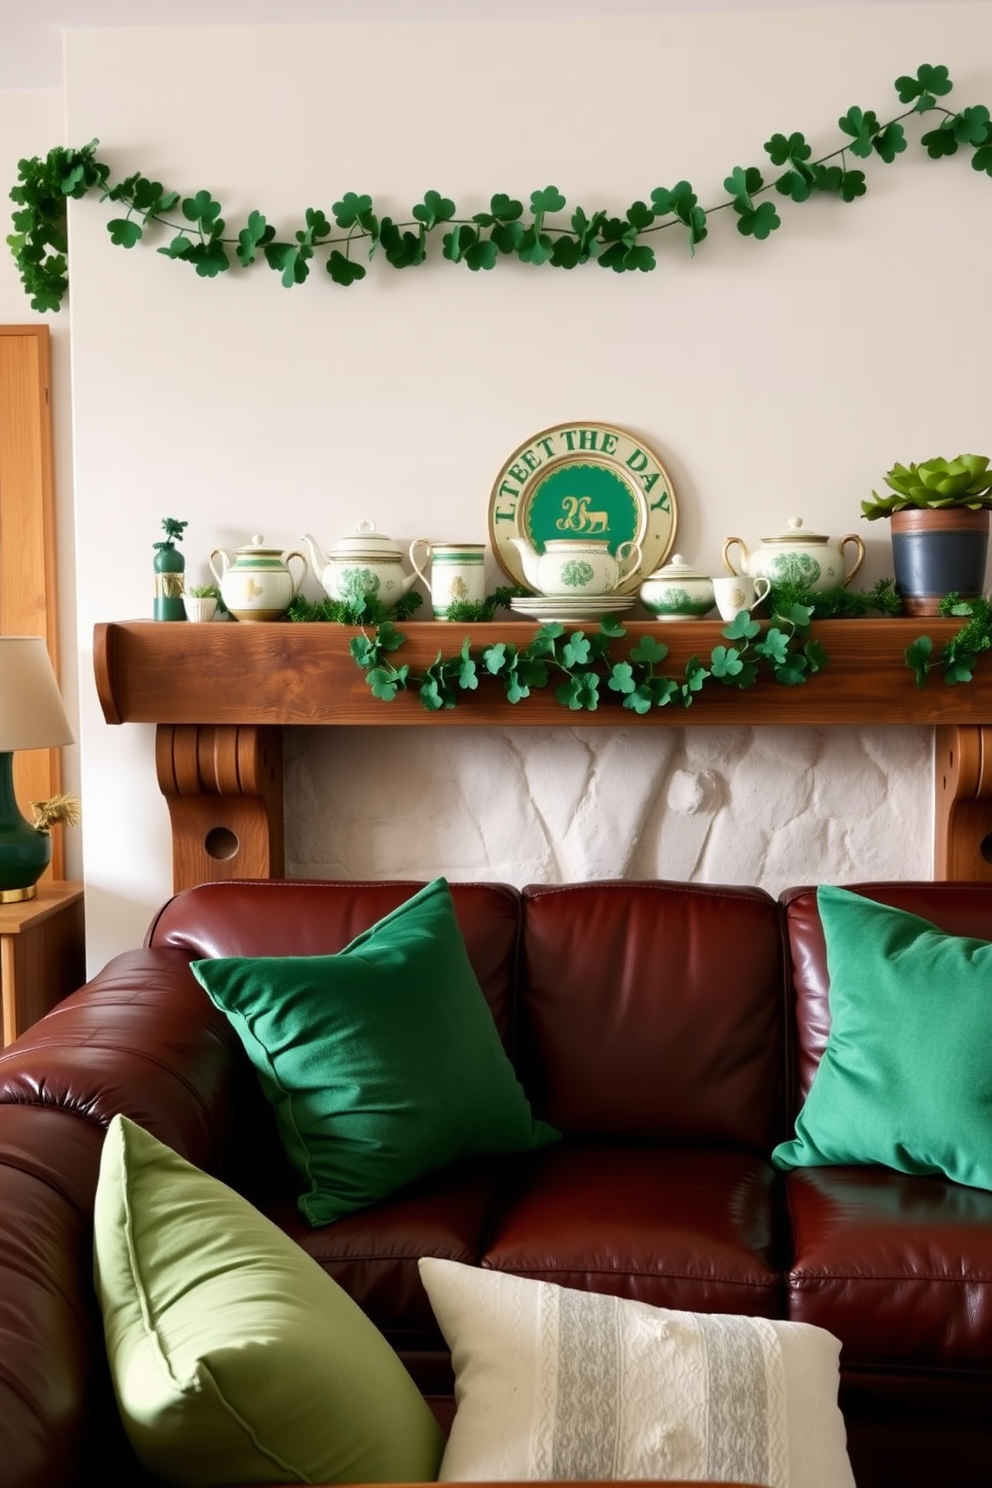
<point x="169" y="565"/>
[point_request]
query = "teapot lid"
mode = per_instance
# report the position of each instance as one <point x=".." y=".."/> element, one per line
<point x="257" y="549"/>
<point x="677" y="570"/>
<point x="364" y="541"/>
<point x="796" y="533"/>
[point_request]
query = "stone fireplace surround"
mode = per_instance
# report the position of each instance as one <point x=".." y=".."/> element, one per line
<point x="529" y="805"/>
<point x="760" y="786"/>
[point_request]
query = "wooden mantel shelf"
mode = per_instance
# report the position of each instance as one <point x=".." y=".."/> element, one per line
<point x="152" y="672"/>
<point x="221" y="693"/>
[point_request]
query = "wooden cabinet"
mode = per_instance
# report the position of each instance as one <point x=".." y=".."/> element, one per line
<point x="28" y="604"/>
<point x="42" y="954"/>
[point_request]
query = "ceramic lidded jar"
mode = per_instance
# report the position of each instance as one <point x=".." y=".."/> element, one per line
<point x="798" y="557"/>
<point x="259" y="584"/>
<point x="677" y="591"/>
<point x="366" y="562"/>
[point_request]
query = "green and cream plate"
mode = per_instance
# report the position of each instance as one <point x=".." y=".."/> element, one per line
<point x="571" y="609"/>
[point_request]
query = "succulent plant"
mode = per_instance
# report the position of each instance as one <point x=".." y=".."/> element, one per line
<point x="963" y="481"/>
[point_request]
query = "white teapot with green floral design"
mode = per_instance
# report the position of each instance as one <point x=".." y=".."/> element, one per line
<point x="365" y="562"/>
<point x="576" y="565"/>
<point x="798" y="557"/>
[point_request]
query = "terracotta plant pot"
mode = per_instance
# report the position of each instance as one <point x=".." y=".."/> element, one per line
<point x="938" y="552"/>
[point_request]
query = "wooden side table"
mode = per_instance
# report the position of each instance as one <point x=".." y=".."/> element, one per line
<point x="42" y="954"/>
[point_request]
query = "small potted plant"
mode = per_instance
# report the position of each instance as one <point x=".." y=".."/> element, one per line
<point x="939" y="514"/>
<point x="201" y="601"/>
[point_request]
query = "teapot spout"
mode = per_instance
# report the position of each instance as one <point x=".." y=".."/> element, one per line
<point x="528" y="560"/>
<point x="317" y="560"/>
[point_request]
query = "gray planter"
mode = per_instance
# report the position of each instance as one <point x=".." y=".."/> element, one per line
<point x="938" y="552"/>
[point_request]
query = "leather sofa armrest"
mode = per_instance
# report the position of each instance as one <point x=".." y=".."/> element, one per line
<point x="57" y="1407"/>
<point x="144" y="1039"/>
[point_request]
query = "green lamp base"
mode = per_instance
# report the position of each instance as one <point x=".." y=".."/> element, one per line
<point x="25" y="853"/>
<point x="18" y="896"/>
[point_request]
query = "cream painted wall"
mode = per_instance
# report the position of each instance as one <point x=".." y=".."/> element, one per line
<point x="773" y="379"/>
<point x="30" y="124"/>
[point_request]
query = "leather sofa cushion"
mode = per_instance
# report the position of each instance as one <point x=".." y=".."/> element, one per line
<point x="373" y="1253"/>
<point x="654" y="1012"/>
<point x="675" y="1227"/>
<point x="689" y="1228"/>
<point x="899" y="1267"/>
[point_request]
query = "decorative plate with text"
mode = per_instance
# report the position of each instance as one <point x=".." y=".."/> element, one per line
<point x="583" y="480"/>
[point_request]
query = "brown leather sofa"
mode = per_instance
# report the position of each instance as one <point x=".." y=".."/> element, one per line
<point x="670" y="1032"/>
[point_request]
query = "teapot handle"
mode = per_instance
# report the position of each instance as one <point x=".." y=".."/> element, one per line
<point x="742" y="560"/>
<point x="628" y="556"/>
<point x="852" y="537"/>
<point x="413" y="558"/>
<point x="761" y="594"/>
<point x="297" y="583"/>
<point x="225" y="564"/>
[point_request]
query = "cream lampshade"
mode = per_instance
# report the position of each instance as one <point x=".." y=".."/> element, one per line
<point x="31" y="717"/>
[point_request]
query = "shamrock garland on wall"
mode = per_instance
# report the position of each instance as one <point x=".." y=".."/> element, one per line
<point x="200" y="234"/>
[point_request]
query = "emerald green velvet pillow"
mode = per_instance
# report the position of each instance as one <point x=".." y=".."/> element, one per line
<point x="906" y="1077"/>
<point x="235" y="1357"/>
<point x="383" y="1062"/>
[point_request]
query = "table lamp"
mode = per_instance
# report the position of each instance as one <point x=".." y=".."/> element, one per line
<point x="31" y="717"/>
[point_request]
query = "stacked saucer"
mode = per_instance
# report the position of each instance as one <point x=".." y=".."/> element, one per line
<point x="569" y="609"/>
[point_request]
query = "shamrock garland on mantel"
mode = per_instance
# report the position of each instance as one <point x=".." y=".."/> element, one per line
<point x="40" y="242"/>
<point x="580" y="662"/>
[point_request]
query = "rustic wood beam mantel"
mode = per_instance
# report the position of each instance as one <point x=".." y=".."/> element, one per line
<point x="221" y="693"/>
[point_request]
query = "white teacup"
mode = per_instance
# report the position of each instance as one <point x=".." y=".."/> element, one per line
<point x="457" y="573"/>
<point x="739" y="592"/>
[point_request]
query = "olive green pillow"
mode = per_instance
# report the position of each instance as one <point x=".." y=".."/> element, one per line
<point x="383" y="1062"/>
<point x="235" y="1357"/>
<point x="906" y="1077"/>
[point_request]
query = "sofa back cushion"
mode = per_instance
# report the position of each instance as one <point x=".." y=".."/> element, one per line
<point x="382" y="1062"/>
<point x="956" y="908"/>
<point x="278" y="917"/>
<point x="654" y="1011"/>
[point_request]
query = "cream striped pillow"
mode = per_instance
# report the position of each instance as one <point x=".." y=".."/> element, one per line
<point x="552" y="1383"/>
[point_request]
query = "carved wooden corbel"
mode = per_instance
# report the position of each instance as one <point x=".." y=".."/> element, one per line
<point x="223" y="786"/>
<point x="963" y="802"/>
